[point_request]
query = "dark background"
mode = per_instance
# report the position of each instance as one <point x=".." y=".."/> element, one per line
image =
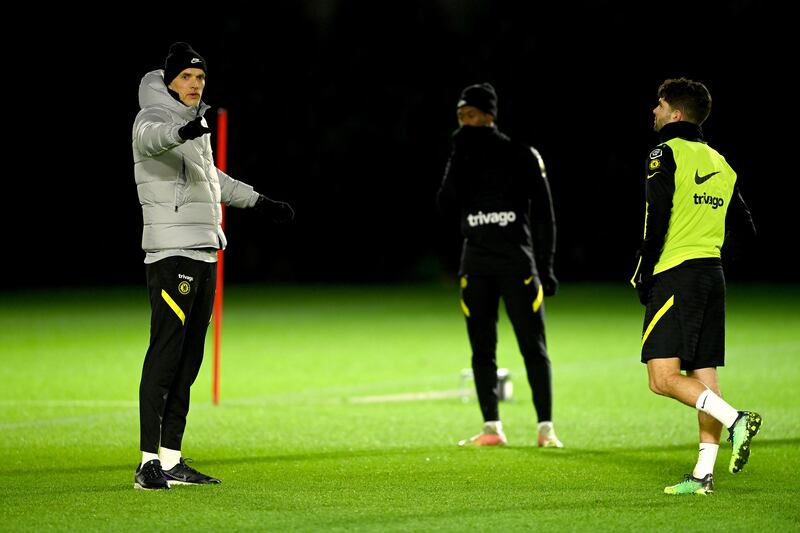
<point x="345" y="109"/>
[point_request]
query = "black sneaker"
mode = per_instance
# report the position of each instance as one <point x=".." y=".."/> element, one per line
<point x="183" y="474"/>
<point x="149" y="476"/>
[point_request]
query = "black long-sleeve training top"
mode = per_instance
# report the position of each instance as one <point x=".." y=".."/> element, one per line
<point x="500" y="189"/>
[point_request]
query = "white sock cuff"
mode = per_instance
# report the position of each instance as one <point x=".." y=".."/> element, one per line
<point x="702" y="399"/>
<point x="147" y="457"/>
<point x="496" y="424"/>
<point x="169" y="458"/>
<point x="713" y="405"/>
<point x="706" y="458"/>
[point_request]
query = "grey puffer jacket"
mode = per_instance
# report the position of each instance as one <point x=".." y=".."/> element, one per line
<point x="179" y="187"/>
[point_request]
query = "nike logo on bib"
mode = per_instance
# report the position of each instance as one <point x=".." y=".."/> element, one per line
<point x="698" y="179"/>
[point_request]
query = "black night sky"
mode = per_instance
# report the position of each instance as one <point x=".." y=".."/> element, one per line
<point x="345" y="110"/>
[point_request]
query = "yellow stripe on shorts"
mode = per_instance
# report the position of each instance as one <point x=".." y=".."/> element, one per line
<point x="175" y="307"/>
<point x="537" y="303"/>
<point x="661" y="312"/>
<point x="463" y="305"/>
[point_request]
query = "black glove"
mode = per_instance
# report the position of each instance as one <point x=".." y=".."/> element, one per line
<point x="644" y="283"/>
<point x="279" y="211"/>
<point x="549" y="283"/>
<point x="643" y="279"/>
<point x="736" y="245"/>
<point x="193" y="129"/>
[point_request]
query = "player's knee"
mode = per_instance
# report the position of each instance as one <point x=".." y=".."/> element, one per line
<point x="659" y="385"/>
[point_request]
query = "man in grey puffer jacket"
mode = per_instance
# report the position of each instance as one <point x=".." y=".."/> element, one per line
<point x="180" y="191"/>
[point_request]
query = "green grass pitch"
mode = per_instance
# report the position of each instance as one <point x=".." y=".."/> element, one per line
<point x="318" y="428"/>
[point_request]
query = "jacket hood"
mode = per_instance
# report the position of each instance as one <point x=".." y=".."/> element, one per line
<point x="154" y="93"/>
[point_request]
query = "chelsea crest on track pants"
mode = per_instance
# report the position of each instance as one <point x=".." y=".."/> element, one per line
<point x="182" y="299"/>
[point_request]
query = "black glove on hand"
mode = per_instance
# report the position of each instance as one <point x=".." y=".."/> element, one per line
<point x="279" y="211"/>
<point x="549" y="283"/>
<point x="735" y="246"/>
<point x="193" y="129"/>
<point x="643" y="278"/>
<point x="644" y="282"/>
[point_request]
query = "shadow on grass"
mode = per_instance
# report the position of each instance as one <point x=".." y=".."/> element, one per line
<point x="335" y="455"/>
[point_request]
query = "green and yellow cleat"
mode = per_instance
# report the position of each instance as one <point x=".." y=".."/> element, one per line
<point x="692" y="485"/>
<point x="741" y="434"/>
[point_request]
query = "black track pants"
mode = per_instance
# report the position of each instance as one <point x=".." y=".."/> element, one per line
<point x="182" y="299"/>
<point x="480" y="296"/>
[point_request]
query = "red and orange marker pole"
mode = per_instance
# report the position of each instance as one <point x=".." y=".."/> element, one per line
<point x="221" y="160"/>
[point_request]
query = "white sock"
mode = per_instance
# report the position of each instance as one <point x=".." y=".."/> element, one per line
<point x="146" y="456"/>
<point x="169" y="458"/>
<point x="706" y="458"/>
<point x="545" y="427"/>
<point x="713" y="405"/>
<point x="495" y="425"/>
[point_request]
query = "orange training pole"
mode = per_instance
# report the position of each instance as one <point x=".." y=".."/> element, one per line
<point x="221" y="160"/>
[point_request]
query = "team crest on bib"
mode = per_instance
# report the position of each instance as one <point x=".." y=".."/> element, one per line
<point x="656" y="153"/>
<point x="654" y="164"/>
<point x="184" y="287"/>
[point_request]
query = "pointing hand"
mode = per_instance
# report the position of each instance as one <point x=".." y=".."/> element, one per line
<point x="193" y="129"/>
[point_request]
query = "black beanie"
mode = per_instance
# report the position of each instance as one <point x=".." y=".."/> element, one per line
<point x="482" y="96"/>
<point x="181" y="56"/>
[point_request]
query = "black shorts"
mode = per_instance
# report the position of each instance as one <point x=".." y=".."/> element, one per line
<point x="685" y="315"/>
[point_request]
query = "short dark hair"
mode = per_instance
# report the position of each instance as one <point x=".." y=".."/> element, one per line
<point x="690" y="97"/>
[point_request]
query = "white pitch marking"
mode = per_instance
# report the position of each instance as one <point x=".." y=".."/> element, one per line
<point x="408" y="396"/>
<point x="72" y="403"/>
